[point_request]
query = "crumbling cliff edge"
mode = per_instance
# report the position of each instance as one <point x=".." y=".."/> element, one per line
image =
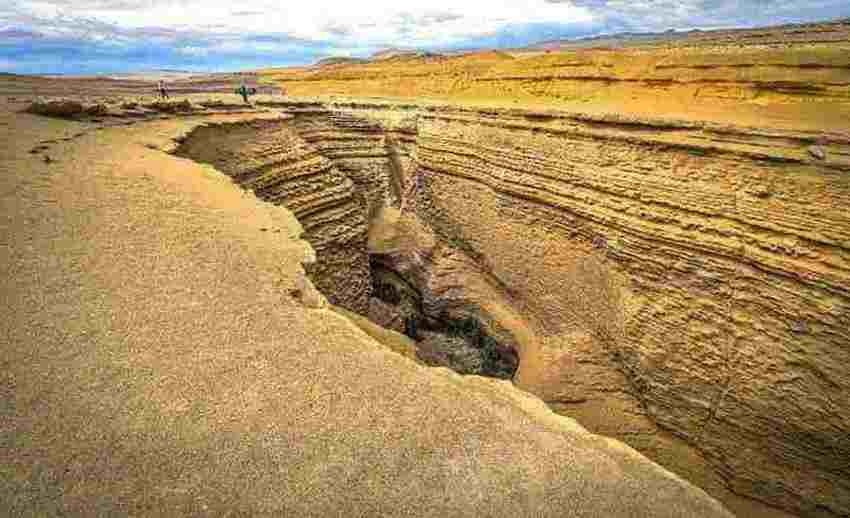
<point x="680" y="286"/>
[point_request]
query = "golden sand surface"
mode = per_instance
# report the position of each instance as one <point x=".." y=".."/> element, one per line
<point x="185" y="285"/>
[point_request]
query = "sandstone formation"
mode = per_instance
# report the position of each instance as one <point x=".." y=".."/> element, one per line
<point x="792" y="72"/>
<point x="699" y="184"/>
<point x="651" y="237"/>
<point x="280" y="166"/>
<point x="719" y="252"/>
<point x="159" y="358"/>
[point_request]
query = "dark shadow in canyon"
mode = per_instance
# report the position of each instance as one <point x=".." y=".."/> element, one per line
<point x="466" y="301"/>
<point x="461" y="344"/>
<point x="337" y="191"/>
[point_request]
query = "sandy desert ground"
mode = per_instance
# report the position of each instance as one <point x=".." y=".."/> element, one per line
<point x="181" y="285"/>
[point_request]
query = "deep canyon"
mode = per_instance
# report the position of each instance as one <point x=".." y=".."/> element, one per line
<point x="680" y="287"/>
<point x="651" y="239"/>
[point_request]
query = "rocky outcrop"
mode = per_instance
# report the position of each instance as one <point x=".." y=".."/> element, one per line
<point x="63" y="108"/>
<point x="718" y="251"/>
<point x="279" y="166"/>
<point x="684" y="73"/>
<point x="156" y="361"/>
<point x="680" y="286"/>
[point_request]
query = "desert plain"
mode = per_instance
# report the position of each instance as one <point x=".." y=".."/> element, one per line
<point x="599" y="278"/>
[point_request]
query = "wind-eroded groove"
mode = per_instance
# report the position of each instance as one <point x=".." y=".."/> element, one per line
<point x="498" y="159"/>
<point x="248" y="176"/>
<point x="646" y="140"/>
<point x="808" y="66"/>
<point x="305" y="213"/>
<point x="330" y="154"/>
<point x="336" y="137"/>
<point x="270" y="192"/>
<point x="826" y="286"/>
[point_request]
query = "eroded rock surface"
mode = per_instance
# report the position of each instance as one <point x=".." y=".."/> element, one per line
<point x="156" y="362"/>
<point x="736" y="282"/>
<point x="670" y="265"/>
<point x="719" y="254"/>
<point x="279" y="166"/>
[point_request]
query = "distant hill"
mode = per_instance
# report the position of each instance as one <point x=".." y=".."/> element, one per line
<point x="388" y="53"/>
<point x="622" y="37"/>
<point x="340" y="60"/>
<point x="824" y="31"/>
<point x="403" y="54"/>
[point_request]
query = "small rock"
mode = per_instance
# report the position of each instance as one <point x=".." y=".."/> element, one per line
<point x="97" y="109"/>
<point x="799" y="327"/>
<point x="47" y="159"/>
<point x="760" y="191"/>
<point x="264" y="229"/>
<point x="307" y="294"/>
<point x="56" y="108"/>
<point x="817" y="152"/>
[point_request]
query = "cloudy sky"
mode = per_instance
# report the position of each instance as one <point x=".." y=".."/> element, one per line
<point x="107" y="36"/>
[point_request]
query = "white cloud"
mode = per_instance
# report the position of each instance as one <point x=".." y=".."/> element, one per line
<point x="193" y="51"/>
<point x="117" y="34"/>
<point x="363" y="22"/>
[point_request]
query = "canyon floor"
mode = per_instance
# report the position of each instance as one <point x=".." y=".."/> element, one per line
<point x="206" y="303"/>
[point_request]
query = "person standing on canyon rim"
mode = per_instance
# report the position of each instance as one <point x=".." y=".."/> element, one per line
<point x="162" y="91"/>
<point x="243" y="91"/>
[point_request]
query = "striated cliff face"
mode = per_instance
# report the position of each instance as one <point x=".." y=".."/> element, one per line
<point x="736" y="301"/>
<point x="801" y="73"/>
<point x="272" y="160"/>
<point x="155" y="361"/>
<point x="681" y="286"/>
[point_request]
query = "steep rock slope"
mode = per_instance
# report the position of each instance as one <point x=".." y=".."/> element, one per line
<point x="796" y="74"/>
<point x="154" y="363"/>
<point x="728" y="248"/>
<point x="737" y="283"/>
<point x="280" y="167"/>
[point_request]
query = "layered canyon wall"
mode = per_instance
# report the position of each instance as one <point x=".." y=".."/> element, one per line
<point x="735" y="294"/>
<point x="669" y="261"/>
<point x="797" y="74"/>
<point x="656" y="233"/>
<point x="723" y="250"/>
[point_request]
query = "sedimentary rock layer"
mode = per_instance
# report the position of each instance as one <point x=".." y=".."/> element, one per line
<point x="270" y="159"/>
<point x="732" y="249"/>
<point x="806" y="67"/>
<point x="725" y="250"/>
<point x="155" y="363"/>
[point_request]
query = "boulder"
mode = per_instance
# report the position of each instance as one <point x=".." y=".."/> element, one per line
<point x="96" y="109"/>
<point x="65" y="108"/>
<point x="817" y="152"/>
